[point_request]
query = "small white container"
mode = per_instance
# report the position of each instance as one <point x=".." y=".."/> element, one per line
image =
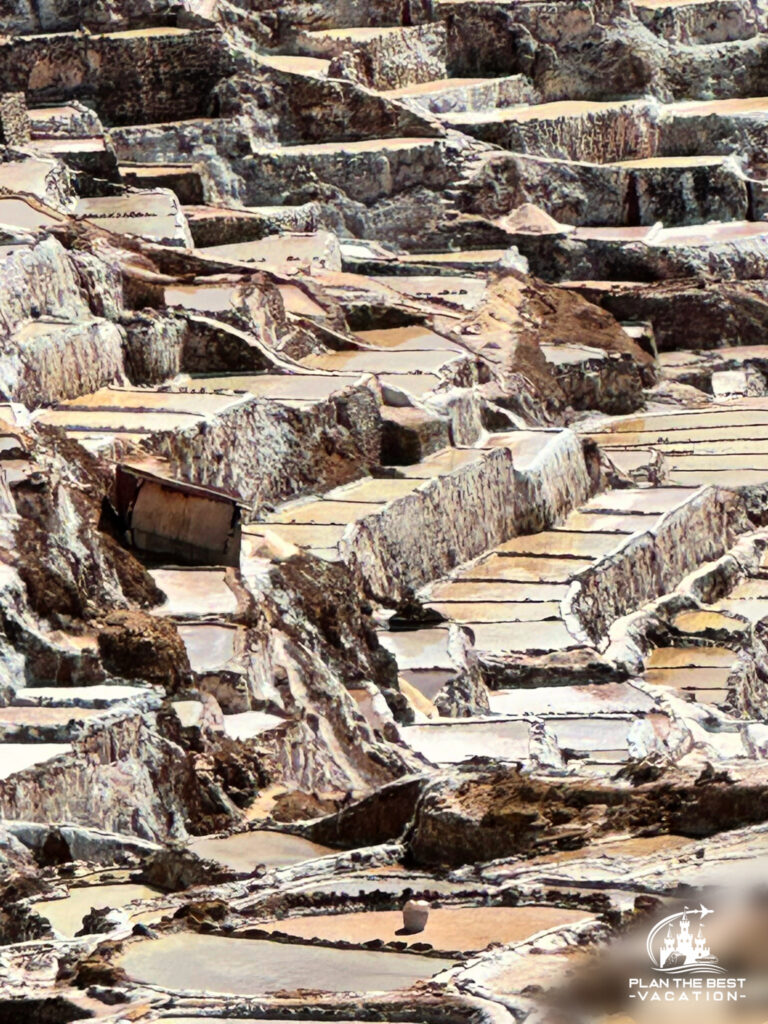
<point x="415" y="915"/>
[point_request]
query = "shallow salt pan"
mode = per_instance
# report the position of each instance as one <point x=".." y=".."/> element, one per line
<point x="550" y="700"/>
<point x="245" y="850"/>
<point x="17" y="757"/>
<point x="448" y="928"/>
<point x="680" y="657"/>
<point x="211" y="963"/>
<point x="66" y="915"/>
<point x="193" y="592"/>
<point x="452" y="743"/>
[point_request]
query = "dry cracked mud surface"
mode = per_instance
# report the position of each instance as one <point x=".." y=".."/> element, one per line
<point x="383" y="505"/>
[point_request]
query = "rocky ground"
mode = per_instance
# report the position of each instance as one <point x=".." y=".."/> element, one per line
<point x="383" y="504"/>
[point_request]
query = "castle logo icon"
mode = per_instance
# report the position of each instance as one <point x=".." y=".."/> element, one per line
<point x="677" y="945"/>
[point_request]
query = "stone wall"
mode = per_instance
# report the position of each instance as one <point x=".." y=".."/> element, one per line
<point x="627" y="131"/>
<point x="653" y="563"/>
<point x="39" y="281"/>
<point x="572" y="193"/>
<point x="131" y="78"/>
<point x="716" y="21"/>
<point x="28" y="17"/>
<point x="364" y="175"/>
<point x="153" y="344"/>
<point x="45" y="363"/>
<point x="124" y="778"/>
<point x="265" y="452"/>
<point x="393" y="60"/>
<point x="599" y="195"/>
<point x="426" y="534"/>
<point x="14" y="122"/>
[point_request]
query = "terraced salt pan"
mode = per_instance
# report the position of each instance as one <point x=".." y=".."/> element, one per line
<point x="701" y="621"/>
<point x="248" y="724"/>
<point x="553" y="700"/>
<point x="428" y="682"/>
<point x="541" y="111"/>
<point x="463" y="291"/>
<point x="149" y="214"/>
<point x="416" y="384"/>
<point x="521" y="569"/>
<point x="33" y="716"/>
<point x="526" y="445"/>
<point x="191" y="593"/>
<point x="211" y="963"/>
<point x="323" y="513"/>
<point x="496" y="611"/>
<point x="374" y="491"/>
<point x="246" y="850"/>
<point x="692" y="678"/>
<point x="437" y="85"/>
<point x="122" y="413"/>
<point x="294" y="64"/>
<point x="647" y="501"/>
<point x="160" y="30"/>
<point x="681" y="657"/>
<point x="457" y="740"/>
<point x="460" y="740"/>
<point x="672" y="162"/>
<point x="448" y="928"/>
<point x="637" y="846"/>
<point x="17" y="757"/>
<point x="116" y="423"/>
<point x="719" y="477"/>
<point x="100" y="695"/>
<point x="208" y="298"/>
<point x="748" y="598"/>
<point x="561" y="544"/>
<point x="605" y="523"/>
<point x="296" y="387"/>
<point x="286" y="253"/>
<point x="310" y="536"/>
<point x="446" y="461"/>
<point x="532" y="637"/>
<point x="404" y="339"/>
<point x="688" y="445"/>
<point x="68" y="145"/>
<point x="732" y="107"/>
<point x="391" y="362"/>
<point x="419" y="649"/>
<point x="753" y="609"/>
<point x="17" y="213"/>
<point x="66" y="915"/>
<point x="607" y="735"/>
<point x="614" y="234"/>
<point x="755" y="445"/>
<point x="710" y="234"/>
<point x="480" y="257"/>
<point x="696" y="462"/>
<point x="360" y="146"/>
<point x="484" y="591"/>
<point x="147" y="400"/>
<point x="210" y="646"/>
<point x="28" y="176"/>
